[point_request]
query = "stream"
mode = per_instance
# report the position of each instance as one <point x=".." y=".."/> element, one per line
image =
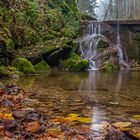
<point x="102" y="96"/>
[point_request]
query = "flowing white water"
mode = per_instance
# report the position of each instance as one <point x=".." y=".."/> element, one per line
<point x="89" y="44"/>
<point x="120" y="48"/>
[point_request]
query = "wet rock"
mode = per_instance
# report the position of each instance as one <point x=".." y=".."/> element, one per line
<point x="42" y="129"/>
<point x="19" y="113"/>
<point x="54" y="58"/>
<point x="10" y="124"/>
<point x="7" y="103"/>
<point x="103" y="43"/>
<point x="75" y="63"/>
<point x="33" y="116"/>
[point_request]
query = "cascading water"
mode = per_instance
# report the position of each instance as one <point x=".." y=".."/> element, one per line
<point x="120" y="48"/>
<point x="89" y="44"/>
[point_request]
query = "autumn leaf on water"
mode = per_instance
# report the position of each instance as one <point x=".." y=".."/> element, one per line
<point x="136" y="135"/>
<point x="1" y="128"/>
<point x="136" y="116"/>
<point x="72" y="118"/>
<point x="121" y="124"/>
<point x="33" y="126"/>
<point x="73" y="115"/>
<point x="85" y="120"/>
<point x="6" y="116"/>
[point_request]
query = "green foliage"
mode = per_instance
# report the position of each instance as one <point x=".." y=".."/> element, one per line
<point x="2" y="72"/>
<point x="23" y="65"/>
<point x="42" y="67"/>
<point x="31" y="22"/>
<point x="74" y="63"/>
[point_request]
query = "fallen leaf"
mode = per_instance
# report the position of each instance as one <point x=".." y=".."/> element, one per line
<point x="54" y="132"/>
<point x="125" y="129"/>
<point x="19" y="113"/>
<point x="73" y="115"/>
<point x="33" y="126"/>
<point x="137" y="135"/>
<point x="136" y="116"/>
<point x="1" y="128"/>
<point x="121" y="124"/>
<point x="6" y="116"/>
<point x="85" y="120"/>
<point x="135" y="132"/>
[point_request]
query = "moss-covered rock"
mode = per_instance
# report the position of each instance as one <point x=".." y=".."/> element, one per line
<point x="42" y="67"/>
<point x="108" y="66"/>
<point x="103" y="43"/>
<point x="23" y="65"/>
<point x="74" y="63"/>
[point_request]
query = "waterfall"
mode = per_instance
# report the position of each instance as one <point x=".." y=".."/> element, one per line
<point x="121" y="53"/>
<point x="89" y="44"/>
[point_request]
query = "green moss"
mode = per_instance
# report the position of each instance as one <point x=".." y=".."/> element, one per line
<point x="75" y="63"/>
<point x="23" y="65"/>
<point x="2" y="72"/>
<point x="42" y="67"/>
<point x="108" y="66"/>
<point x="10" y="72"/>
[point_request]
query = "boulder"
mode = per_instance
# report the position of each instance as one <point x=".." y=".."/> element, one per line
<point x="103" y="43"/>
<point x="42" y="67"/>
<point x="23" y="65"/>
<point x="53" y="58"/>
<point x="75" y="63"/>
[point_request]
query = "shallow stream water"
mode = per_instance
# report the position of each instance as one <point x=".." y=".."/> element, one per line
<point x="110" y="97"/>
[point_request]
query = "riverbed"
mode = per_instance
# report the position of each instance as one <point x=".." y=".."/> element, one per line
<point x="102" y="96"/>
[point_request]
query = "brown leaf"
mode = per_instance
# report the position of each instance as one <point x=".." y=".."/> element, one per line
<point x="33" y="126"/>
<point x="121" y="124"/>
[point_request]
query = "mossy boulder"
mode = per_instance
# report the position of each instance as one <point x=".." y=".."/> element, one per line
<point x="103" y="43"/>
<point x="42" y="67"/>
<point x="75" y="63"/>
<point x="108" y="66"/>
<point x="23" y="65"/>
<point x="10" y="72"/>
<point x="55" y="56"/>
